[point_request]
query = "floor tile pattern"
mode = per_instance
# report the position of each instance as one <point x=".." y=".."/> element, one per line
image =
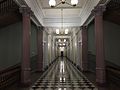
<point x="62" y="75"/>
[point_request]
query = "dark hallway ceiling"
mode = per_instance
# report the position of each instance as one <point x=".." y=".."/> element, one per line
<point x="10" y="16"/>
<point x="1" y="1"/>
<point x="112" y="13"/>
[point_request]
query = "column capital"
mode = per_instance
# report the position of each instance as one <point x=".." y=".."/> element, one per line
<point x="40" y="28"/>
<point x="98" y="10"/>
<point x="83" y="27"/>
<point x="25" y="10"/>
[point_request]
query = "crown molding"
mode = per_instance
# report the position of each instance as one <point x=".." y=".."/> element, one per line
<point x="37" y="18"/>
<point x="91" y="16"/>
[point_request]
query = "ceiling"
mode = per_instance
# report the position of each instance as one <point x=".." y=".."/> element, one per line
<point x="52" y="30"/>
<point x="63" y="16"/>
<point x="66" y="14"/>
<point x="9" y="14"/>
<point x="1" y="1"/>
<point x="112" y="13"/>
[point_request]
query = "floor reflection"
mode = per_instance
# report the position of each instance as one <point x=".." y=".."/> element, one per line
<point x="62" y="75"/>
<point x="61" y="88"/>
<point x="62" y="69"/>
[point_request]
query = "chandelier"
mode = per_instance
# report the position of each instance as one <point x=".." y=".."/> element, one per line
<point x="52" y="3"/>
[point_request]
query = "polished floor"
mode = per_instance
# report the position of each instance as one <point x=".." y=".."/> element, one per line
<point x="62" y="75"/>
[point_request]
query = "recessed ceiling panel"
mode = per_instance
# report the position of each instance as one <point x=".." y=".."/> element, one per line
<point x="57" y="13"/>
<point x="53" y="16"/>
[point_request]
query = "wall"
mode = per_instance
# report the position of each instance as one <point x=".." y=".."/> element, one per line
<point x="68" y="49"/>
<point x="45" y="49"/>
<point x="49" y="48"/>
<point x="33" y="46"/>
<point x="91" y="39"/>
<point x="79" y="49"/>
<point x="33" y="40"/>
<point x="111" y="41"/>
<point x="73" y="43"/>
<point x="10" y="45"/>
<point x="91" y="48"/>
<point x="75" y="47"/>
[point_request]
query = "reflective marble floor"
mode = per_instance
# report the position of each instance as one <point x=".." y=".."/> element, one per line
<point x="62" y="75"/>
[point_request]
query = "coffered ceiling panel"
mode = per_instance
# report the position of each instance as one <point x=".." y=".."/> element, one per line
<point x="63" y="16"/>
<point x="58" y="13"/>
<point x="49" y="16"/>
<point x="54" y="16"/>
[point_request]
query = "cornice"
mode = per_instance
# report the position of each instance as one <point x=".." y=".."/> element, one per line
<point x="37" y="18"/>
<point x="91" y="16"/>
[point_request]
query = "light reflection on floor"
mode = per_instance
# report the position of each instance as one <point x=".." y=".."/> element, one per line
<point x="62" y="75"/>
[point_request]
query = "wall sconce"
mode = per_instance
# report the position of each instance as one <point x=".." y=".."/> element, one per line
<point x="57" y="31"/>
<point x="66" y="31"/>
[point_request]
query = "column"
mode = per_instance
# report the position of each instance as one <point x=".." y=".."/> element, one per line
<point x="57" y="50"/>
<point x="25" y="67"/>
<point x="100" y="63"/>
<point x="40" y="49"/>
<point x="84" y="48"/>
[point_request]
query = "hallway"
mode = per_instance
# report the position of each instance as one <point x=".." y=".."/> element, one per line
<point x="62" y="75"/>
<point x="59" y="44"/>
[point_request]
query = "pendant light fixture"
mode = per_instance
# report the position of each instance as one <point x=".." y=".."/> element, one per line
<point x="57" y="31"/>
<point x="74" y="2"/>
<point x="52" y="3"/>
<point x="66" y="31"/>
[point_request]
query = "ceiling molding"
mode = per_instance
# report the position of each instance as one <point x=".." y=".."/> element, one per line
<point x="20" y="3"/>
<point x="59" y="24"/>
<point x="61" y="36"/>
<point x="35" y="20"/>
<point x="91" y="17"/>
<point x="83" y="7"/>
<point x="33" y="4"/>
<point x="39" y="4"/>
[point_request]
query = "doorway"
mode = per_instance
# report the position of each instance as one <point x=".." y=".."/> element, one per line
<point x="61" y="53"/>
